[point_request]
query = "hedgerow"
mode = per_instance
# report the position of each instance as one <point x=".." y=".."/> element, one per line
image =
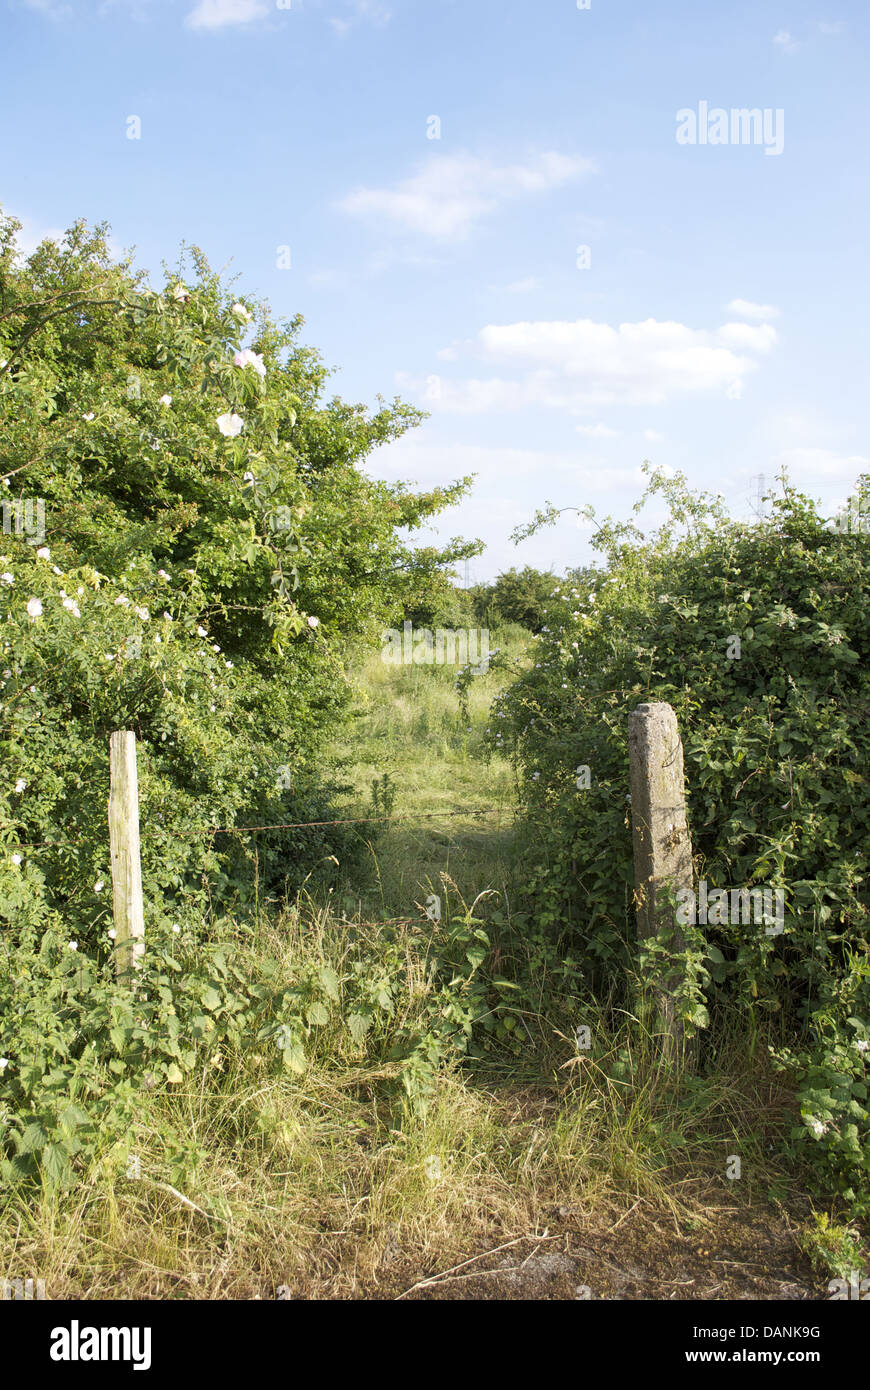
<point x="758" y="636"/>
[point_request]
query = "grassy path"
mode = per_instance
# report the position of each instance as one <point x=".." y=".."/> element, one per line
<point x="408" y="726"/>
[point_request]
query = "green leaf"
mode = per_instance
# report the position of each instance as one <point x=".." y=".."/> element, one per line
<point x="34" y="1138"/>
<point x="55" y="1162"/>
<point x="72" y="1117"/>
<point x="329" y="981"/>
<point x="359" y="1025"/>
<point x="293" y="1058"/>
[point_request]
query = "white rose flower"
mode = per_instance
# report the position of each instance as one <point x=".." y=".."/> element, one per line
<point x="72" y="606"/>
<point x="166" y="400"/>
<point x="201" y="632"/>
<point x="34" y="608"/>
<point x="181" y="293"/>
<point x="20" y="786"/>
<point x="43" y="553"/>
<point x="98" y="886"/>
<point x="89" y="416"/>
<point x="73" y="945"/>
<point x="247" y="358"/>
<point x="230" y="425"/>
<point x="314" y="622"/>
<point x="142" y="613"/>
<point x="16" y="859"/>
<point x="122" y="602"/>
<point x="7" y="577"/>
<point x="241" y="313"/>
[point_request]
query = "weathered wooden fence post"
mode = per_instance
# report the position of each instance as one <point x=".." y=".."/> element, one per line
<point x="662" y="847"/>
<point x="124" y="846"/>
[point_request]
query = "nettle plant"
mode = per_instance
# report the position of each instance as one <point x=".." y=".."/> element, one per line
<point x="757" y="635"/>
<point x="211" y="550"/>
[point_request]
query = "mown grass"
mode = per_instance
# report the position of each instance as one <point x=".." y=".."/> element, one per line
<point x="331" y="1184"/>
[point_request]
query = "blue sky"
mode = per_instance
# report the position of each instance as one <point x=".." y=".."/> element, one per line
<point x="718" y="327"/>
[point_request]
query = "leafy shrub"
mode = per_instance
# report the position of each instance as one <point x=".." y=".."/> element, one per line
<point x="516" y="596"/>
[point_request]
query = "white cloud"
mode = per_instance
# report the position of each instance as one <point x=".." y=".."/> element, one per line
<point x="784" y="40"/>
<point x="827" y="28"/>
<point x="217" y="14"/>
<point x="745" y="336"/>
<point x="505" y="493"/>
<point x="520" y="286"/>
<point x="598" y="431"/>
<point x="813" y="466"/>
<point x="579" y="365"/>
<point x="33" y="233"/>
<point x="748" y="309"/>
<point x="653" y="437"/>
<point x="430" y="465"/>
<point x="328" y="279"/>
<point x="369" y="11"/>
<point x="450" y="193"/>
<point x="56" y="8"/>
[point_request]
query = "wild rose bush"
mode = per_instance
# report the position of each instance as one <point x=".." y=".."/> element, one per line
<point x="211" y="551"/>
<point x="212" y="554"/>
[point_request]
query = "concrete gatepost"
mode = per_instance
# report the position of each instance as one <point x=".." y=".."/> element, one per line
<point x="662" y="847"/>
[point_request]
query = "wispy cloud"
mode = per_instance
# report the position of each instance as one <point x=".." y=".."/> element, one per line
<point x="55" y="8"/>
<point x="598" y="431"/>
<point x="748" y="309"/>
<point x="218" y="14"/>
<point x="33" y="233"/>
<point x="449" y="194"/>
<point x="531" y="282"/>
<point x="785" y="41"/>
<point x="813" y="468"/>
<point x="360" y="12"/>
